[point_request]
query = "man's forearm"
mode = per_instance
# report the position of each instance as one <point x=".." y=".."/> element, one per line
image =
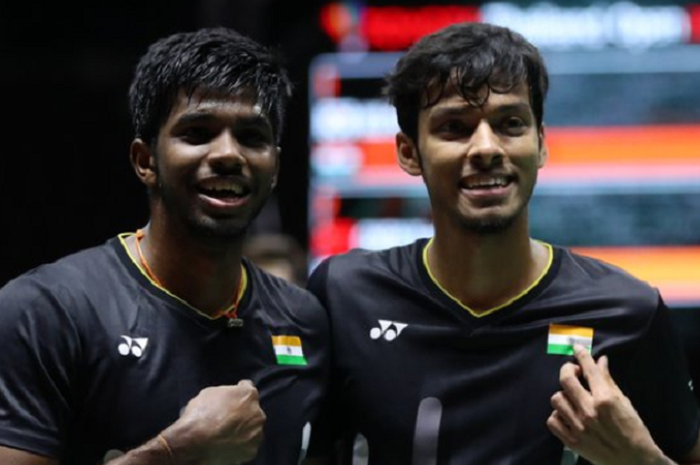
<point x="154" y="452"/>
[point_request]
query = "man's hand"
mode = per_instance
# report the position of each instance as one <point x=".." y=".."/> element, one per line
<point x="600" y="423"/>
<point x="222" y="425"/>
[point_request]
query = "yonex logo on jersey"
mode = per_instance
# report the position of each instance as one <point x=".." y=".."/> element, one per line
<point x="133" y="345"/>
<point x="389" y="329"/>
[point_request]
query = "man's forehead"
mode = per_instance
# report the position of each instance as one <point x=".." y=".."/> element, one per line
<point x="480" y="98"/>
<point x="210" y="100"/>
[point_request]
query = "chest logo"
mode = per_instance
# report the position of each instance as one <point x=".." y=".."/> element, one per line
<point x="390" y="330"/>
<point x="562" y="338"/>
<point x="132" y="346"/>
<point x="288" y="350"/>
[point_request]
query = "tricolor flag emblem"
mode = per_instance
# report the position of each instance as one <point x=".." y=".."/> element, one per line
<point x="562" y="338"/>
<point x="288" y="350"/>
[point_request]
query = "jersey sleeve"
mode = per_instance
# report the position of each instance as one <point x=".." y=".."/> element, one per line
<point x="326" y="432"/>
<point x="37" y="360"/>
<point x="660" y="387"/>
<point x="320" y="441"/>
<point x="317" y="282"/>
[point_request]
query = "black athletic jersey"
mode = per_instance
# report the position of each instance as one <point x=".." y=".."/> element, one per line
<point x="96" y="359"/>
<point x="418" y="379"/>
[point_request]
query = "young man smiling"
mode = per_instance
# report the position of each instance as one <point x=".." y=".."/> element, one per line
<point x="458" y="349"/>
<point x="167" y="346"/>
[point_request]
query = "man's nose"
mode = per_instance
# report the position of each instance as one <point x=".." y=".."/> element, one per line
<point x="484" y="147"/>
<point x="225" y="152"/>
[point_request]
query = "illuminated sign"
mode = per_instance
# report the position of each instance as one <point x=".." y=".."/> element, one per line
<point x="620" y="24"/>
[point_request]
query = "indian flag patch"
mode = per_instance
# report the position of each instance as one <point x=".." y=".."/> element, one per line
<point x="562" y="338"/>
<point x="288" y="350"/>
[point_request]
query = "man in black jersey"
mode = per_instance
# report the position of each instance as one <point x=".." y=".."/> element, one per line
<point x="460" y="349"/>
<point x="167" y="346"/>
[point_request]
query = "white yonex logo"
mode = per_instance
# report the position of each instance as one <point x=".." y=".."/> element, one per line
<point x="133" y="345"/>
<point x="389" y="329"/>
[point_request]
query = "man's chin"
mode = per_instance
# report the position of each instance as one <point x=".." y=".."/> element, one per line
<point x="220" y="230"/>
<point x="489" y="225"/>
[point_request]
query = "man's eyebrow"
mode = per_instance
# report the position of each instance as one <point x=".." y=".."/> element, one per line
<point x="466" y="109"/>
<point x="193" y="118"/>
<point x="515" y="107"/>
<point x="453" y="111"/>
<point x="204" y="117"/>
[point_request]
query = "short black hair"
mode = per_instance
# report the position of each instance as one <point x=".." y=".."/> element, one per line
<point x="470" y="56"/>
<point x="207" y="60"/>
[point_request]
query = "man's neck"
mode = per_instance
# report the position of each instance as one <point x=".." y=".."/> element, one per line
<point x="484" y="271"/>
<point x="202" y="273"/>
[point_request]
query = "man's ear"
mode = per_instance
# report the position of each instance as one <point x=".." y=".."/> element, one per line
<point x="144" y="163"/>
<point x="408" y="156"/>
<point x="543" y="155"/>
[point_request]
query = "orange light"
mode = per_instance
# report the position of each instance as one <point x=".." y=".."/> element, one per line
<point x="675" y="271"/>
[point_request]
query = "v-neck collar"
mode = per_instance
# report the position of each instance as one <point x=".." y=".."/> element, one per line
<point x="468" y="314"/>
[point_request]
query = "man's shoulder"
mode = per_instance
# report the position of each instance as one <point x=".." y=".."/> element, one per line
<point x="365" y="272"/>
<point x="361" y="260"/>
<point x="287" y="298"/>
<point x="274" y="286"/>
<point x="600" y="278"/>
<point x="80" y="270"/>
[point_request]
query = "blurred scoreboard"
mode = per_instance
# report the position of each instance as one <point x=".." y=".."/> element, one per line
<point x="622" y="126"/>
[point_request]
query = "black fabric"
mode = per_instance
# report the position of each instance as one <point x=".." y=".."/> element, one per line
<point x="687" y="324"/>
<point x="452" y="388"/>
<point x="74" y="386"/>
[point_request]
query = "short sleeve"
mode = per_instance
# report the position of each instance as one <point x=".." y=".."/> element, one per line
<point x="37" y="361"/>
<point x="317" y="282"/>
<point x="325" y="429"/>
<point x="660" y="388"/>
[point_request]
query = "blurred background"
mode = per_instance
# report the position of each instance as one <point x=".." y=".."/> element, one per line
<point x="623" y="119"/>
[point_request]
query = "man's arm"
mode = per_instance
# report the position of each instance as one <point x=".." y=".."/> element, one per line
<point x="10" y="456"/>
<point x="600" y="423"/>
<point x="220" y="426"/>
<point x="150" y="453"/>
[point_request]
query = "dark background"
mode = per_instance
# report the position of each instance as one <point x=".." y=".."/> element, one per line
<point x="65" y="179"/>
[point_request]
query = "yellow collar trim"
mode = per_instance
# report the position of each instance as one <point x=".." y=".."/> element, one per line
<point x="550" y="260"/>
<point x="244" y="281"/>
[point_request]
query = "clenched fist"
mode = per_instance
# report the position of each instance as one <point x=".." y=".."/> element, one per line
<point x="222" y="425"/>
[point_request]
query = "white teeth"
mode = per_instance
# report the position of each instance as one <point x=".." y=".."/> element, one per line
<point x="235" y="189"/>
<point x="476" y="183"/>
<point x="222" y="185"/>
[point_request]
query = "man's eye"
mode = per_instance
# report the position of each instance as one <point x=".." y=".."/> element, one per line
<point x="514" y="124"/>
<point x="254" y="138"/>
<point x="453" y="127"/>
<point x="196" y="135"/>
